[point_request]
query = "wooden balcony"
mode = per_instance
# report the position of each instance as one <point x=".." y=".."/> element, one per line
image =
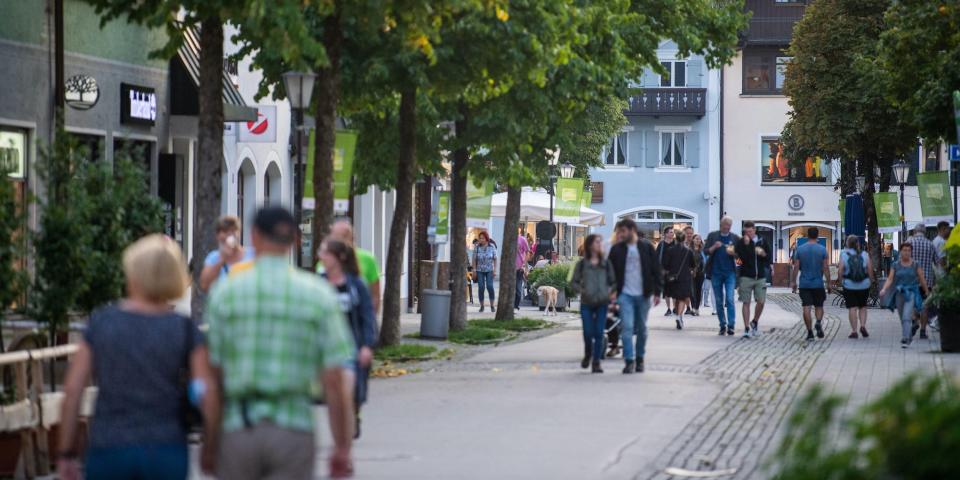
<point x="659" y="102"/>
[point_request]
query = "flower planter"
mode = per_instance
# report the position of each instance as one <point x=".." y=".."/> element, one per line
<point x="949" y="332"/>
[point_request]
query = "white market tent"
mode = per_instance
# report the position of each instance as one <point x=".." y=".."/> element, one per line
<point x="535" y="206"/>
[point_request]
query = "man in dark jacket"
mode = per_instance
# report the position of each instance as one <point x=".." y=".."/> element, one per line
<point x="754" y="255"/>
<point x="722" y="269"/>
<point x="639" y="277"/>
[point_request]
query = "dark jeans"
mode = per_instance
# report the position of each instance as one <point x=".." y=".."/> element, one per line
<point x="697" y="292"/>
<point x="516" y="301"/>
<point x="594" y="319"/>
<point x="485" y="282"/>
<point x="147" y="462"/>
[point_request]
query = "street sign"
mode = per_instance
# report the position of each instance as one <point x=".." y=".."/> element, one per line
<point x="955" y="153"/>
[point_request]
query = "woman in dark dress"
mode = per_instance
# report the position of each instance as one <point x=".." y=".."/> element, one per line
<point x="341" y="270"/>
<point x="698" y="274"/>
<point x="678" y="269"/>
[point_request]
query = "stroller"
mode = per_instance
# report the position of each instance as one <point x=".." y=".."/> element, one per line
<point x="611" y="341"/>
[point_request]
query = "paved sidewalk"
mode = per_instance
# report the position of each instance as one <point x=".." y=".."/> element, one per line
<point x="526" y="410"/>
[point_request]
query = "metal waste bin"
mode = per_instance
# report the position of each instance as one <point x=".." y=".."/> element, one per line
<point x="434" y="313"/>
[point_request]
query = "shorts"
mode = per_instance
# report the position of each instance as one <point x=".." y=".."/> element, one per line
<point x="813" y="297"/>
<point x="856" y="298"/>
<point x="752" y="288"/>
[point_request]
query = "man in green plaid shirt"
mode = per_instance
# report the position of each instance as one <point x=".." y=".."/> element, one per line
<point x="274" y="330"/>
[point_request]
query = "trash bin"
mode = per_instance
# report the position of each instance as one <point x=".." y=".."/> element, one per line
<point x="435" y="313"/>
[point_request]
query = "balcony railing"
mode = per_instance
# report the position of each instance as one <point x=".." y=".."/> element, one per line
<point x="667" y="102"/>
<point x="771" y="30"/>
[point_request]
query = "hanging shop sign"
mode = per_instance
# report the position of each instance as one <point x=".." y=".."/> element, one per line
<point x="138" y="105"/>
<point x="81" y="92"/>
<point x="888" y="211"/>
<point x="479" y="199"/>
<point x="935" y="201"/>
<point x="263" y="129"/>
<point x="567" y="201"/>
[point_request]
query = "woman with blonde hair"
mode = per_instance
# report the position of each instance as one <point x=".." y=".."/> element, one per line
<point x="137" y="351"/>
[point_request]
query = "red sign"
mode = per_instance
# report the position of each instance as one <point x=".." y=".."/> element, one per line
<point x="260" y="126"/>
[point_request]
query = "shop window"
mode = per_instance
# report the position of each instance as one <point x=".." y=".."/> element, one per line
<point x="88" y="147"/>
<point x="777" y="168"/>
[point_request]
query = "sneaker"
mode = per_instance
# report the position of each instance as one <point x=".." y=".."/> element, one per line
<point x="746" y="333"/>
<point x="904" y="343"/>
<point x="913" y="330"/>
<point x="596" y="368"/>
<point x="356" y="428"/>
<point x="679" y="324"/>
<point x="639" y="367"/>
<point x="853" y="335"/>
<point x="819" y="328"/>
<point x="754" y="330"/>
<point x="923" y="334"/>
<point x="863" y="332"/>
<point x="669" y="312"/>
<point x="723" y="331"/>
<point x="810" y="335"/>
<point x="481" y="308"/>
<point x="492" y="309"/>
<point x="730" y="331"/>
<point x="630" y="367"/>
<point x="585" y="362"/>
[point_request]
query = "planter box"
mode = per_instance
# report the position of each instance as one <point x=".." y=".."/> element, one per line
<point x="950" y="332"/>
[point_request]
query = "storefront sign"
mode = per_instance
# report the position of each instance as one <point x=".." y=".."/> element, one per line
<point x="12" y="152"/>
<point x="81" y="92"/>
<point x="795" y="204"/>
<point x="442" y="228"/>
<point x="344" y="149"/>
<point x="587" y="199"/>
<point x="568" y="200"/>
<point x="935" y="201"/>
<point x="888" y="211"/>
<point x="479" y="198"/>
<point x="264" y="129"/>
<point x="138" y="105"/>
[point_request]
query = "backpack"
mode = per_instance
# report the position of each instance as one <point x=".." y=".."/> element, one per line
<point x="856" y="271"/>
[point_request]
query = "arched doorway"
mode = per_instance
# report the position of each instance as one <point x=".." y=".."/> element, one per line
<point x="246" y="195"/>
<point x="652" y="220"/>
<point x="272" y="194"/>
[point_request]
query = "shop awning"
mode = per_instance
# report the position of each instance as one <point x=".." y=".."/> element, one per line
<point x="535" y="206"/>
<point x="188" y="57"/>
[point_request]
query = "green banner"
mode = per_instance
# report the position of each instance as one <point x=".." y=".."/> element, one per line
<point x="888" y="211"/>
<point x="843" y="210"/>
<point x="587" y="199"/>
<point x="479" y="197"/>
<point x="344" y="148"/>
<point x="443" y="217"/>
<point x="935" y="201"/>
<point x="568" y="200"/>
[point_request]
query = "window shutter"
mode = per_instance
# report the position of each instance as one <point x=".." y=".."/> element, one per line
<point x="693" y="149"/>
<point x="597" y="189"/>
<point x="649" y="79"/>
<point x="651" y="148"/>
<point x="694" y="73"/>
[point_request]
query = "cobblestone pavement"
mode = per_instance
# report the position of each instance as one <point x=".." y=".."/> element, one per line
<point x="744" y="424"/>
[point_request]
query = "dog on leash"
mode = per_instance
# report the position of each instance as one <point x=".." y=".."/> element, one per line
<point x="549" y="294"/>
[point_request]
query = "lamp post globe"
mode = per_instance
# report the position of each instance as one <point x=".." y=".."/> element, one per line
<point x="901" y="170"/>
<point x="299" y="87"/>
<point x="567" y="170"/>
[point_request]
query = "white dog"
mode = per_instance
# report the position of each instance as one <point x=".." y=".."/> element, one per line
<point x="550" y="294"/>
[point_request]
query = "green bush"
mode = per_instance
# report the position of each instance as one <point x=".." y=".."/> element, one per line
<point x="405" y="352"/>
<point x="911" y="432"/>
<point x="473" y="335"/>
<point x="515" y="325"/>
<point x="946" y="293"/>
<point x="555" y="276"/>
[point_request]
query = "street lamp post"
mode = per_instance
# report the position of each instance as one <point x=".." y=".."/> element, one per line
<point x="299" y="87"/>
<point x="552" y="160"/>
<point x="901" y="170"/>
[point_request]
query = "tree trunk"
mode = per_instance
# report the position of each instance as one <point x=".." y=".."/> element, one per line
<point x="508" y="270"/>
<point x="209" y="168"/>
<point x="327" y="93"/>
<point x="458" y="230"/>
<point x="406" y="169"/>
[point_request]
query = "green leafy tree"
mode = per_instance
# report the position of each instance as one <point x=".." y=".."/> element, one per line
<point x="119" y="211"/>
<point x="839" y="100"/>
<point x="12" y="242"/>
<point x="61" y="243"/>
<point x="282" y="26"/>
<point x="920" y="55"/>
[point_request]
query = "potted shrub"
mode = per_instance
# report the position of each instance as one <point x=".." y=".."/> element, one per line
<point x="555" y="276"/>
<point x="946" y="297"/>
